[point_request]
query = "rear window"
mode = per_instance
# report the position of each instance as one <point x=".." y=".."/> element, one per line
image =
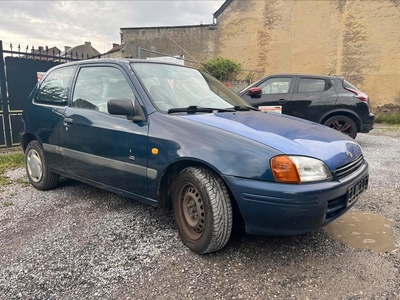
<point x="347" y="84"/>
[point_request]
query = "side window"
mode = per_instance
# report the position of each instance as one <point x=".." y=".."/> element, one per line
<point x="276" y="86"/>
<point x="96" y="85"/>
<point x="308" y="85"/>
<point x="54" y="88"/>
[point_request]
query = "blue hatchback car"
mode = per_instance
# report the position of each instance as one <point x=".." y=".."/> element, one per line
<point x="168" y="134"/>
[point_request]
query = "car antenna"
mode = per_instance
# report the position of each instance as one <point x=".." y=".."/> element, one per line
<point x="332" y="68"/>
<point x="187" y="53"/>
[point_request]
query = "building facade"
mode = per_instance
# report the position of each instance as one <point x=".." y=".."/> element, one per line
<point x="83" y="51"/>
<point x="114" y="52"/>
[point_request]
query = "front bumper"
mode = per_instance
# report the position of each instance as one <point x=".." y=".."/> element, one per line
<point x="271" y="208"/>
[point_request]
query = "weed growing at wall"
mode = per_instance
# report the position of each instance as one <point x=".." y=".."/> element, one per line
<point x="388" y="118"/>
<point x="222" y="68"/>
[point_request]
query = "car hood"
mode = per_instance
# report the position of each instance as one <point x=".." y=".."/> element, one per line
<point x="286" y="134"/>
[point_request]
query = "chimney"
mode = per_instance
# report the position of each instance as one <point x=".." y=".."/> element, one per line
<point x="115" y="45"/>
<point x="67" y="48"/>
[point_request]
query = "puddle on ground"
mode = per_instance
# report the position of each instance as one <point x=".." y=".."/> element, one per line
<point x="363" y="231"/>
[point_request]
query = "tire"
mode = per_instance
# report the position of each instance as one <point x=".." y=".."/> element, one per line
<point x="36" y="168"/>
<point x="343" y="124"/>
<point x="202" y="210"/>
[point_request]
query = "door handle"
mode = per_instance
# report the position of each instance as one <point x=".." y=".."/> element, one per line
<point x="281" y="101"/>
<point x="68" y="121"/>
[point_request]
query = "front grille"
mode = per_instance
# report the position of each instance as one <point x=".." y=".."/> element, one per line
<point x="349" y="168"/>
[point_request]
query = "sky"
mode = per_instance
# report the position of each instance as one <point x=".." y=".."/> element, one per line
<point x="71" y="23"/>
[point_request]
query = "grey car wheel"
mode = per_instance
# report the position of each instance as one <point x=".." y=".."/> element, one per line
<point x="36" y="168"/>
<point x="34" y="165"/>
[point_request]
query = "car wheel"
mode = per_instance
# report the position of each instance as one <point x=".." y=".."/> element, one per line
<point x="202" y="210"/>
<point x="343" y="124"/>
<point x="36" y="168"/>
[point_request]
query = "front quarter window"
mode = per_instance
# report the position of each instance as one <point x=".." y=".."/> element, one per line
<point x="95" y="85"/>
<point x="54" y="88"/>
<point x="276" y="86"/>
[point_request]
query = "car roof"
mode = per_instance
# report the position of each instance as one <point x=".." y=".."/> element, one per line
<point x="120" y="61"/>
<point x="303" y="75"/>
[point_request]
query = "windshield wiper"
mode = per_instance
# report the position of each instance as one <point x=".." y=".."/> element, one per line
<point x="244" y="108"/>
<point x="194" y="109"/>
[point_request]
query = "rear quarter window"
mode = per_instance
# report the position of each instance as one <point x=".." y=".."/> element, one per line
<point x="347" y="84"/>
<point x="54" y="88"/>
<point x="309" y="85"/>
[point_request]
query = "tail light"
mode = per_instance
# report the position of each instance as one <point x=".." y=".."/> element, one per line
<point x="360" y="95"/>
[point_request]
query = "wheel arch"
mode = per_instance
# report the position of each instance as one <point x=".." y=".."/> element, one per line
<point x="26" y="138"/>
<point x="342" y="112"/>
<point x="171" y="173"/>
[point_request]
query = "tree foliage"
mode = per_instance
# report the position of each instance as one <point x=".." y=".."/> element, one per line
<point x="222" y="68"/>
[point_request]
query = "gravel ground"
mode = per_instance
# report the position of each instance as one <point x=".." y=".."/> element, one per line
<point x="80" y="242"/>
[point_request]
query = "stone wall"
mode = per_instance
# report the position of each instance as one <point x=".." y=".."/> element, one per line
<point x="196" y="43"/>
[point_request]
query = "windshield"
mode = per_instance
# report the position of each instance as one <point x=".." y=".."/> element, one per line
<point x="174" y="86"/>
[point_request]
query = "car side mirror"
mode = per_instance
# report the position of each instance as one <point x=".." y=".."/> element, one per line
<point x="123" y="107"/>
<point x="254" y="91"/>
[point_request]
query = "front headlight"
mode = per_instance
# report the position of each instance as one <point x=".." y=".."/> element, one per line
<point x="299" y="169"/>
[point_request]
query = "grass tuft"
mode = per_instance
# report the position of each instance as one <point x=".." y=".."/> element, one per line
<point x="10" y="161"/>
<point x="388" y="118"/>
<point x="4" y="180"/>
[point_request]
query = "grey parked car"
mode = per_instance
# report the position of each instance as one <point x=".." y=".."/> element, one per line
<point x="328" y="100"/>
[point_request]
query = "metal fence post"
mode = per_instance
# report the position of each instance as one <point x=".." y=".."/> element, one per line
<point x="4" y="98"/>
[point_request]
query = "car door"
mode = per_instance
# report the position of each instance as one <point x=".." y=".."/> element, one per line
<point x="275" y="91"/>
<point x="312" y="97"/>
<point x="98" y="147"/>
